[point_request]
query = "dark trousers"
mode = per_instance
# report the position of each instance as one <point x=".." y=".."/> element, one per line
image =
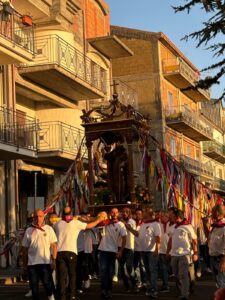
<point x="107" y="269"/>
<point x="43" y="273"/>
<point x="66" y="270"/>
<point x="126" y="268"/>
<point x="139" y="269"/>
<point x="82" y="269"/>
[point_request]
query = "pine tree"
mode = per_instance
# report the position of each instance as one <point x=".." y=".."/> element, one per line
<point x="212" y="29"/>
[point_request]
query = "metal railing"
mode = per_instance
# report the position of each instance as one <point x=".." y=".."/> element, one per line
<point x="209" y="146"/>
<point x="218" y="184"/>
<point x="194" y="166"/>
<point x="12" y="29"/>
<point x="52" y="49"/>
<point x="17" y="129"/>
<point x="213" y="113"/>
<point x="126" y="94"/>
<point x="58" y="136"/>
<point x="193" y="119"/>
<point x="177" y="65"/>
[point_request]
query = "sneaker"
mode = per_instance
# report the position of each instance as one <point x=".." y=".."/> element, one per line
<point x="165" y="289"/>
<point x="87" y="284"/>
<point x="208" y="270"/>
<point x="51" y="297"/>
<point x="147" y="293"/>
<point x="198" y="274"/>
<point x="80" y="291"/>
<point x="29" y="294"/>
<point x="115" y="278"/>
<point x="153" y="295"/>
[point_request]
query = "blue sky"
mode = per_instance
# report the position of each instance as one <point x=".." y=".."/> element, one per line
<point x="158" y="15"/>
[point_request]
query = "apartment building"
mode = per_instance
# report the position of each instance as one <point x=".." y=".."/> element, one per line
<point x="55" y="60"/>
<point x="180" y="116"/>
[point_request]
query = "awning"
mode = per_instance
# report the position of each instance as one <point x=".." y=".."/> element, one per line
<point x="111" y="46"/>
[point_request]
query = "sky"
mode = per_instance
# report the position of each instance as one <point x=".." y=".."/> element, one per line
<point x="158" y="15"/>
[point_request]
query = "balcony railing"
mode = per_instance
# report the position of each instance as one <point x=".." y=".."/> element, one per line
<point x="191" y="118"/>
<point x="219" y="184"/>
<point x="12" y="29"/>
<point x="214" y="146"/>
<point x="179" y="66"/>
<point x="18" y="130"/>
<point x="196" y="167"/>
<point x="52" y="49"/>
<point x="126" y="94"/>
<point x="60" y="137"/>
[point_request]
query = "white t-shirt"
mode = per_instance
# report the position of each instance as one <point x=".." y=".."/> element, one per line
<point x="110" y="237"/>
<point x="67" y="234"/>
<point x="88" y="244"/>
<point x="217" y="242"/>
<point x="148" y="233"/>
<point x="39" y="243"/>
<point x="164" y="238"/>
<point x="130" y="235"/>
<point x="137" y="242"/>
<point x="182" y="237"/>
<point x="80" y="241"/>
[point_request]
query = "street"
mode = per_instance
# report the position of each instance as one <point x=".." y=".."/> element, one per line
<point x="204" y="290"/>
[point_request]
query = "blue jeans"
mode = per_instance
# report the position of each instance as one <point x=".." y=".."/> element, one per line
<point x="43" y="273"/>
<point x="139" y="269"/>
<point x="126" y="267"/>
<point x="164" y="269"/>
<point x="151" y="267"/>
<point x="219" y="276"/>
<point x="107" y="269"/>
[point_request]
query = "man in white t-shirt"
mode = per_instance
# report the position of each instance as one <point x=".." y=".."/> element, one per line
<point x="39" y="253"/>
<point x="139" y="269"/>
<point x="127" y="259"/>
<point x="163" y="261"/>
<point x="111" y="234"/>
<point x="182" y="244"/>
<point x="150" y="234"/>
<point x="67" y="231"/>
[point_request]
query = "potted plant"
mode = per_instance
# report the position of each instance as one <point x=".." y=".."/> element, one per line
<point x="27" y="20"/>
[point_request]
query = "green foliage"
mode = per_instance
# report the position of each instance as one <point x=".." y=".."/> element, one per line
<point x="212" y="29"/>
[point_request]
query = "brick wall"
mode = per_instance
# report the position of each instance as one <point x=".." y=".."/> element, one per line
<point x="96" y="18"/>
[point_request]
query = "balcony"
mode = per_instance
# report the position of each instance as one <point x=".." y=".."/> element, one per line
<point x="218" y="185"/>
<point x="189" y="123"/>
<point x="215" y="151"/>
<point x="182" y="76"/>
<point x="58" y="144"/>
<point x="196" y="167"/>
<point x="57" y="63"/>
<point x="16" y="40"/>
<point x="126" y="94"/>
<point x="38" y="9"/>
<point x="18" y="135"/>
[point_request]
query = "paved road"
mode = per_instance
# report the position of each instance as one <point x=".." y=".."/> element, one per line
<point x="203" y="291"/>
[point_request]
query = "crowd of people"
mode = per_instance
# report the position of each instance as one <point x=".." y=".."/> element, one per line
<point x="146" y="245"/>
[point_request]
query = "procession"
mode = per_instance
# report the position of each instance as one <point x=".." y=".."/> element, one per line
<point x="112" y="149"/>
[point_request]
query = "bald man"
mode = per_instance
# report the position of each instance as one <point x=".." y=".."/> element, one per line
<point x="39" y="255"/>
<point x="67" y="231"/>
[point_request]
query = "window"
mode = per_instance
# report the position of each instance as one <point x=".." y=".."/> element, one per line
<point x="173" y="147"/>
<point x="170" y="102"/>
<point x="188" y="151"/>
<point x="220" y="174"/>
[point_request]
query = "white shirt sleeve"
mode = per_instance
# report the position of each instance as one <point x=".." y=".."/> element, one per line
<point x="53" y="238"/>
<point x="123" y="231"/>
<point x="26" y="240"/>
<point x="192" y="232"/>
<point x="80" y="225"/>
<point x="157" y="229"/>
